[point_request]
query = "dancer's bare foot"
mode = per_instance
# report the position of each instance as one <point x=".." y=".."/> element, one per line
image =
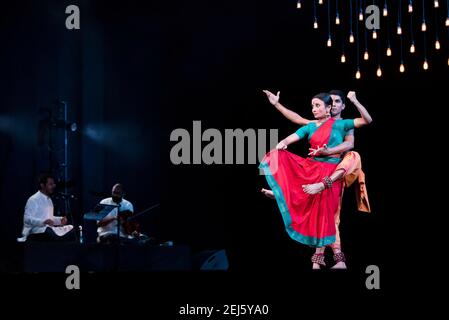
<point x="340" y="265"/>
<point x="318" y="258"/>
<point x="313" y="188"/>
<point x="268" y="193"/>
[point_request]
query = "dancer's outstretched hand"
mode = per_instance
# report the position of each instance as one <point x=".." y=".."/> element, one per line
<point x="320" y="151"/>
<point x="281" y="146"/>
<point x="272" y="97"/>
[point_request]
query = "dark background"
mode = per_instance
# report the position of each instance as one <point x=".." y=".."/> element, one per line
<point x="138" y="70"/>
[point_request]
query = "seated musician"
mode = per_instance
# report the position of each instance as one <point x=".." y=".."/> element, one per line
<point x="39" y="223"/>
<point x="107" y="227"/>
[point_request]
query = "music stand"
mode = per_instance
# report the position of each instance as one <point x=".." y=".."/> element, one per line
<point x="99" y="211"/>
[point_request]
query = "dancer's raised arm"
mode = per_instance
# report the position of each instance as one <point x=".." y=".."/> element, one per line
<point x="290" y="115"/>
<point x="366" y="118"/>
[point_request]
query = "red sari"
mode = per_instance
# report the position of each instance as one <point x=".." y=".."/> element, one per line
<point x="308" y="219"/>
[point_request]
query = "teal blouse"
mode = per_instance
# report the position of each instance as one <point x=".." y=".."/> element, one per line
<point x="338" y="133"/>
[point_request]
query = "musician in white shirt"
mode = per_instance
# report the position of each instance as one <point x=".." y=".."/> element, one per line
<point x="39" y="222"/>
<point x="107" y="227"/>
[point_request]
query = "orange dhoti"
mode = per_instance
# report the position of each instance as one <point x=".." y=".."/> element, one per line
<point x="352" y="166"/>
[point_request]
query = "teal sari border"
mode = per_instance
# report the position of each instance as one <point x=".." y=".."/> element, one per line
<point x="307" y="240"/>
<point x="332" y="160"/>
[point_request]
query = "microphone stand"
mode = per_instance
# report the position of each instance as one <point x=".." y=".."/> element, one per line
<point x="66" y="147"/>
<point x="66" y="197"/>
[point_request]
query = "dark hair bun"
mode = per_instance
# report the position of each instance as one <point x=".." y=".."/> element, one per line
<point x="325" y="97"/>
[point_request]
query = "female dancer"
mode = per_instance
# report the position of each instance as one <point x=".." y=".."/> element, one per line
<point x="309" y="219"/>
<point x="349" y="168"/>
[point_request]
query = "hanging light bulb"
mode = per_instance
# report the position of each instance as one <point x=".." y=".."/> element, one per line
<point x="358" y="74"/>
<point x="399" y="29"/>
<point x="401" y="67"/>
<point x="425" y="65"/>
<point x="298" y="4"/>
<point x="389" y="51"/>
<point x="351" y="37"/>
<point x="423" y="26"/>
<point x="366" y="55"/>
<point x="437" y="45"/>
<point x="374" y="34"/>
<point x="320" y="2"/>
<point x="385" y="12"/>
<point x="410" y="7"/>
<point x="361" y="15"/>
<point x="329" y="42"/>
<point x="448" y="61"/>
<point x="447" y="22"/>
<point x="379" y="72"/>
<point x="337" y="19"/>
<point x="315" y="24"/>
<point x="412" y="48"/>
<point x="436" y="4"/>
<point x="343" y="58"/>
